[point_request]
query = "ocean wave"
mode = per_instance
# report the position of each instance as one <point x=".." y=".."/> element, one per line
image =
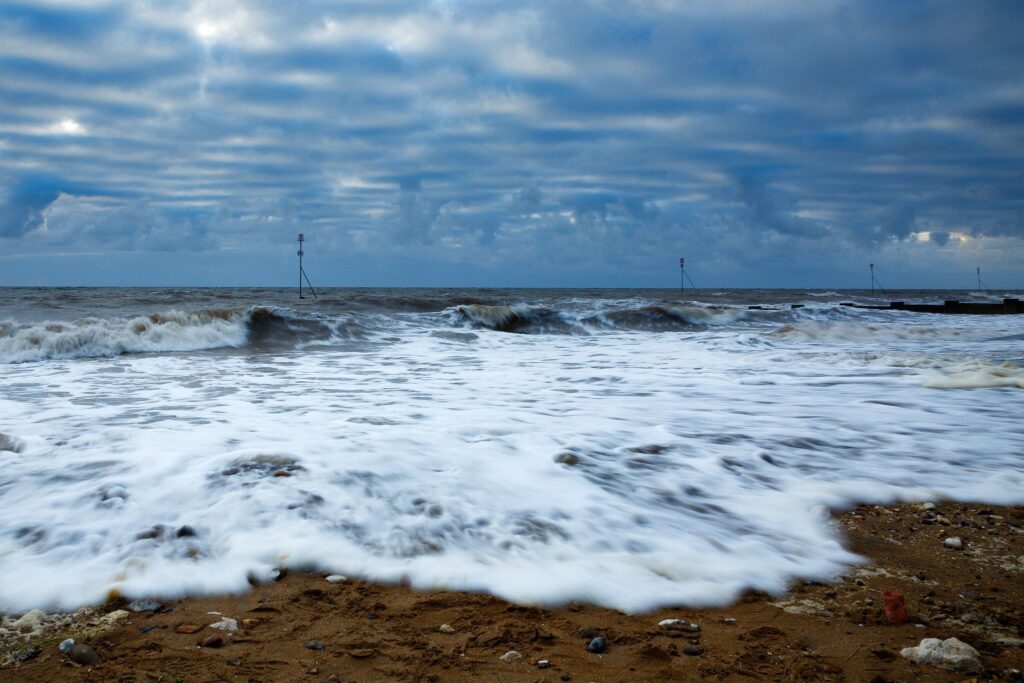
<point x="977" y="375"/>
<point x="857" y="331"/>
<point x="525" y="319"/>
<point x="169" y="331"/>
<point x="519" y="318"/>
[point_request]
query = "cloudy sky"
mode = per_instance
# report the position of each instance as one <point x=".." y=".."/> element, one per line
<point x="480" y="142"/>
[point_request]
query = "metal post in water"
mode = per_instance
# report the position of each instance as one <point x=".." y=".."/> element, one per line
<point x="301" y="238"/>
<point x="682" y="275"/>
<point x="872" y="279"/>
<point x="979" y="278"/>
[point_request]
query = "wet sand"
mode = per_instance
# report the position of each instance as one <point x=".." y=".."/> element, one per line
<point x="370" y="632"/>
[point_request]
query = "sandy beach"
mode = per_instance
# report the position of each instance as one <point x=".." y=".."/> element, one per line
<point x="306" y="628"/>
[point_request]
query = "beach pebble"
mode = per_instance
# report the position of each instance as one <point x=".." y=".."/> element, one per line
<point x="693" y="650"/>
<point x="597" y="645"/>
<point x="336" y="578"/>
<point x="567" y="459"/>
<point x="543" y="664"/>
<point x="80" y="653"/>
<point x="732" y="620"/>
<point x="678" y="625"/>
<point x="66" y="645"/>
<point x="588" y="632"/>
<point x="315" y="645"/>
<point x="188" y="629"/>
<point x="9" y="444"/>
<point x="954" y="543"/>
<point x="29" y="621"/>
<point x="111" y="618"/>
<point x="951" y="654"/>
<point x="23" y="655"/>
<point x="144" y="605"/>
<point x="446" y="628"/>
<point x="147" y="629"/>
<point x="211" y="641"/>
<point x="226" y="624"/>
<point x="511" y="656"/>
<point x="927" y="506"/>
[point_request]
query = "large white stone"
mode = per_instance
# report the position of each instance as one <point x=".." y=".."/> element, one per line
<point x="952" y="654"/>
<point x="226" y="624"/>
<point x="30" y="621"/>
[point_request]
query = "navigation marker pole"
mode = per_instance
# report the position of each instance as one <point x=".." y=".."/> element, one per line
<point x="683" y="277"/>
<point x="982" y="287"/>
<point x="875" y="282"/>
<point x="302" y="272"/>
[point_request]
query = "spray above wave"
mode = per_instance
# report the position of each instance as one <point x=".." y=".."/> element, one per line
<point x="171" y="331"/>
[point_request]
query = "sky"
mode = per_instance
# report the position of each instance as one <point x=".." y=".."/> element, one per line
<point x="585" y="143"/>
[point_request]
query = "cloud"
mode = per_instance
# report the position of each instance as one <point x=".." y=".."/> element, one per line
<point x="27" y="198"/>
<point x="761" y="137"/>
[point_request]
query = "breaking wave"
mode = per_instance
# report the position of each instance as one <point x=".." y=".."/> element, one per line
<point x="525" y="319"/>
<point x="171" y="331"/>
<point x="977" y="375"/>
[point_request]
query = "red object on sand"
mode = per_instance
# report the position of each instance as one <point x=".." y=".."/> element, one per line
<point x="895" y="608"/>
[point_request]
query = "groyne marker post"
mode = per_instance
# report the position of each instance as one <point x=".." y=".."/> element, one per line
<point x="301" y="239"/>
<point x="682" y="275"/>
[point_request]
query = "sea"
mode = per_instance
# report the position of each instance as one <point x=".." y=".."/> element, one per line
<point x="626" y="448"/>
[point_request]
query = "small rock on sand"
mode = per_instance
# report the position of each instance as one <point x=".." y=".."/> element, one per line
<point x="588" y="632"/>
<point x="597" y="645"/>
<point x="188" y="629"/>
<point x="211" y="641"/>
<point x="315" y="645"/>
<point x="511" y="656"/>
<point x="114" y="617"/>
<point x="543" y="664"/>
<point x="693" y="650"/>
<point x="954" y="543"/>
<point x="336" y="578"/>
<point x="144" y="605"/>
<point x="80" y="653"/>
<point x="951" y="654"/>
<point x="446" y="628"/>
<point x="678" y="625"/>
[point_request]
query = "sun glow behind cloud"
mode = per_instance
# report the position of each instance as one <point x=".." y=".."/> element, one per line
<point x="68" y="127"/>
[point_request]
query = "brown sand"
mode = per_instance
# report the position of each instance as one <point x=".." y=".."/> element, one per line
<point x="390" y="633"/>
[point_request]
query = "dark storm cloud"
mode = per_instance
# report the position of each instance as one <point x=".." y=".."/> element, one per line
<point x="589" y="140"/>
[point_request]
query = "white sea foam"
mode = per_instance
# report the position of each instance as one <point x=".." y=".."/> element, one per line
<point x="703" y="460"/>
<point x="97" y="337"/>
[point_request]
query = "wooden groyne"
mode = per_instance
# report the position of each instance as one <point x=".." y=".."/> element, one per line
<point x="951" y="306"/>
